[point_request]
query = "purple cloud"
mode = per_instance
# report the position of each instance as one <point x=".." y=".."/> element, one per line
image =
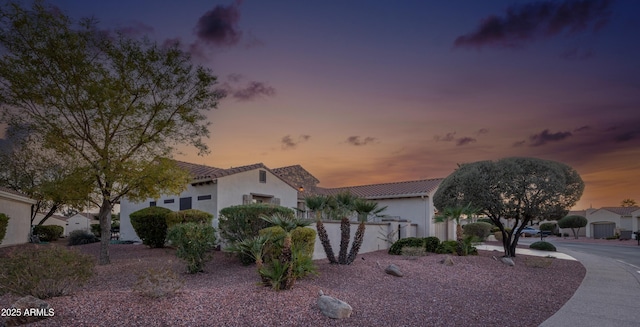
<point x="446" y="138"/>
<point x="582" y="129"/>
<point x="537" y="20"/>
<point x="545" y="137"/>
<point x="482" y="131"/>
<point x="628" y="136"/>
<point x="464" y="141"/>
<point x="355" y="140"/>
<point x="245" y="92"/>
<point x="288" y="142"/>
<point x="219" y="26"/>
<point x="518" y="144"/>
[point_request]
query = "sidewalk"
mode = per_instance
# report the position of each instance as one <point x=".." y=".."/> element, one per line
<point x="608" y="296"/>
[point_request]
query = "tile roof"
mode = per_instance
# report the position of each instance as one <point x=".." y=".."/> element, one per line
<point x="622" y="211"/>
<point x="203" y="173"/>
<point x="8" y="190"/>
<point x="391" y="190"/>
<point x="582" y="213"/>
<point x="295" y="170"/>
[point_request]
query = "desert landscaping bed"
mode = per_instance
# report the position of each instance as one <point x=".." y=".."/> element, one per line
<point x="475" y="291"/>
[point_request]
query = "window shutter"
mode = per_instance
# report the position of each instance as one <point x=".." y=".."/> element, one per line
<point x="246" y="199"/>
<point x="275" y="201"/>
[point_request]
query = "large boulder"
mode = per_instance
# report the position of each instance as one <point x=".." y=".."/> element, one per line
<point x="447" y="261"/>
<point x="508" y="261"/>
<point x="333" y="308"/>
<point x="31" y="309"/>
<point x="393" y="270"/>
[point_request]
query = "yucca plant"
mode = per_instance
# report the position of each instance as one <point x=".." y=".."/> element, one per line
<point x="252" y="247"/>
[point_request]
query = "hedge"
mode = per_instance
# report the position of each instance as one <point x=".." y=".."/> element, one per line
<point x="242" y="222"/>
<point x="151" y="225"/>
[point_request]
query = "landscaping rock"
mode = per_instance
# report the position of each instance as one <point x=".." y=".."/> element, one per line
<point x="333" y="308"/>
<point x="36" y="310"/>
<point x="393" y="270"/>
<point x="447" y="261"/>
<point x="507" y="261"/>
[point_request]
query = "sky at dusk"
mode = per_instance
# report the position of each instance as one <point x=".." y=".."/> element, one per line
<point x="361" y="92"/>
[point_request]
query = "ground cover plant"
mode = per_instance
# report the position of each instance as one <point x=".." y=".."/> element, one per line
<point x="228" y="294"/>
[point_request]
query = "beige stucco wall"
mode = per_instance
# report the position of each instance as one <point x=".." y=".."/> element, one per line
<point x="600" y="216"/>
<point x="18" y="208"/>
<point x="418" y="210"/>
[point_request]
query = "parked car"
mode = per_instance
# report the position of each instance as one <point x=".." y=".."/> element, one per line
<point x="530" y="231"/>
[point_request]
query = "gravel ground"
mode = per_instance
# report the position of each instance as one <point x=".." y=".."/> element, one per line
<point x="476" y="291"/>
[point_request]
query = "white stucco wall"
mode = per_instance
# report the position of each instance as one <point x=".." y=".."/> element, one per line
<point x="600" y="216"/>
<point x="418" y="210"/>
<point x="227" y="191"/>
<point x="18" y="208"/>
<point x="233" y="187"/>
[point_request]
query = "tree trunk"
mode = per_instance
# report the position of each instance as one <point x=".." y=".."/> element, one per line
<point x="345" y="235"/>
<point x="105" y="231"/>
<point x="324" y="239"/>
<point x="357" y="242"/>
<point x="459" y="232"/>
<point x="285" y="259"/>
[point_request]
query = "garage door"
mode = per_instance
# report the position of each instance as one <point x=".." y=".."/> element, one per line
<point x="603" y="230"/>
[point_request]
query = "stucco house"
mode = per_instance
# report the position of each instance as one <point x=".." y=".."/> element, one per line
<point x="409" y="201"/>
<point x="212" y="189"/>
<point x="81" y="221"/>
<point x="18" y="207"/>
<point x="607" y="221"/>
<point x="56" y="220"/>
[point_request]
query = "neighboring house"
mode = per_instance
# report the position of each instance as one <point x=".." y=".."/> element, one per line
<point x="411" y="201"/>
<point x="56" y="220"/>
<point x="608" y="221"/>
<point x="18" y="207"/>
<point x="212" y="189"/>
<point x="81" y="221"/>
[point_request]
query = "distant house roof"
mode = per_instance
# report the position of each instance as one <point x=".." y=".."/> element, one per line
<point x="622" y="211"/>
<point x="405" y="189"/>
<point x="299" y="177"/>
<point x="582" y="213"/>
<point x="16" y="195"/>
<point x="204" y="173"/>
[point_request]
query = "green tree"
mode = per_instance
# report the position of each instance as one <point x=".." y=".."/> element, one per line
<point x="574" y="222"/>
<point x="522" y="189"/>
<point x="628" y="203"/>
<point x="116" y="107"/>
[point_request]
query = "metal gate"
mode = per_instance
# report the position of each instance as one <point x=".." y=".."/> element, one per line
<point x="603" y="230"/>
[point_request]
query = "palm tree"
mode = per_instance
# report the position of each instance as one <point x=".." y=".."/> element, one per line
<point x="317" y="204"/>
<point x="342" y="207"/>
<point x="364" y="208"/>
<point x="455" y="213"/>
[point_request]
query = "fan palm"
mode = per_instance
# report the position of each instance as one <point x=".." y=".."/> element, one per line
<point x="455" y="214"/>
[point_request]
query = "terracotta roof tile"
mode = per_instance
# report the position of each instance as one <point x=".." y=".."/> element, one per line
<point x="390" y="190"/>
<point x="622" y="211"/>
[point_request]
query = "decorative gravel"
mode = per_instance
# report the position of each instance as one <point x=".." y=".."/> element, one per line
<point x="475" y="291"/>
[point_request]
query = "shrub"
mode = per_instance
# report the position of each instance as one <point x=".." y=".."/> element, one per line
<point x="486" y="220"/>
<point x="302" y="237"/>
<point x="396" y="248"/>
<point x="242" y="222"/>
<point x="151" y="226"/>
<point x="48" y="233"/>
<point x="188" y="216"/>
<point x="431" y="244"/>
<point x="447" y="247"/>
<point x="44" y="271"/>
<point x="80" y="237"/>
<point x="159" y="283"/>
<point x="551" y="227"/>
<point x="193" y="242"/>
<point x="543" y="246"/>
<point x="4" y="222"/>
<point x="96" y="230"/>
<point x="480" y="230"/>
<point x="465" y="246"/>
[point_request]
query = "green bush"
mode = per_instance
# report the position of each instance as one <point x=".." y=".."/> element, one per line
<point x="396" y="248"/>
<point x="189" y="216"/>
<point x="543" y="246"/>
<point x="431" y="243"/>
<point x="96" y="230"/>
<point x="4" y="222"/>
<point x="302" y="238"/>
<point x="551" y="227"/>
<point x="80" y="237"/>
<point x="242" y="222"/>
<point x="486" y="220"/>
<point x="480" y="230"/>
<point x="48" y="233"/>
<point x="151" y="226"/>
<point x="44" y="271"/>
<point x="193" y="242"/>
<point x="447" y="247"/>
